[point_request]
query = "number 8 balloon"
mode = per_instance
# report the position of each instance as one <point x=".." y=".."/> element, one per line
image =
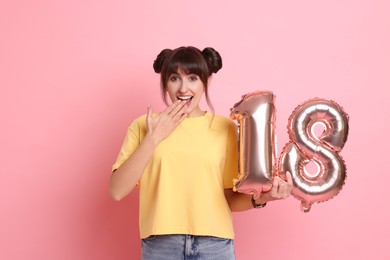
<point x="323" y="150"/>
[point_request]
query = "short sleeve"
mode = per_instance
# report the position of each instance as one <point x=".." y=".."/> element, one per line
<point x="130" y="143"/>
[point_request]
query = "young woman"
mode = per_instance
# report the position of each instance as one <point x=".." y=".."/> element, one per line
<point x="183" y="160"/>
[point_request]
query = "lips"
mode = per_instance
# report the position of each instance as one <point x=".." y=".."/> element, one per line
<point x="185" y="98"/>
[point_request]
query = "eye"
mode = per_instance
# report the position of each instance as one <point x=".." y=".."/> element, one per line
<point x="194" y="77"/>
<point x="174" y="78"/>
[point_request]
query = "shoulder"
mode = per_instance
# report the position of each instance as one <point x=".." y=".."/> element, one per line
<point x="141" y="118"/>
<point x="222" y="121"/>
<point x="138" y="123"/>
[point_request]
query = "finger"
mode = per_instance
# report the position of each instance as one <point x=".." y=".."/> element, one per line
<point x="282" y="191"/>
<point x="149" y="111"/>
<point x="149" y="116"/>
<point x="289" y="182"/>
<point x="281" y="175"/>
<point x="182" y="117"/>
<point x="289" y="177"/>
<point x="170" y="108"/>
<point x="178" y="109"/>
<point x="275" y="187"/>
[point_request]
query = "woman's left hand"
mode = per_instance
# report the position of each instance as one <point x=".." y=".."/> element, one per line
<point x="281" y="189"/>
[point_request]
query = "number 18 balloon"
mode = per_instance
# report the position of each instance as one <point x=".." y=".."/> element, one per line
<point x="257" y="145"/>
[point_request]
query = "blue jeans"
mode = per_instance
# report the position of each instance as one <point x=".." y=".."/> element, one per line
<point x="187" y="247"/>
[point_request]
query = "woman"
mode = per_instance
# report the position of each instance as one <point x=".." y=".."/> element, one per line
<point x="184" y="160"/>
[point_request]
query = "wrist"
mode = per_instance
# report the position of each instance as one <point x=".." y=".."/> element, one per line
<point x="258" y="203"/>
<point x="262" y="199"/>
<point x="151" y="139"/>
<point x="265" y="197"/>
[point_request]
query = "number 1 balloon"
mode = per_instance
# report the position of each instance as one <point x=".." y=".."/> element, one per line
<point x="255" y="114"/>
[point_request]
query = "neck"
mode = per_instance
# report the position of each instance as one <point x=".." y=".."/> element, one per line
<point x="196" y="113"/>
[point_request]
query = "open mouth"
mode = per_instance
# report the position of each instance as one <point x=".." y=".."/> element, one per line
<point x="186" y="99"/>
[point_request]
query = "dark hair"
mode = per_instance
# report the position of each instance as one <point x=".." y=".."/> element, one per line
<point x="192" y="61"/>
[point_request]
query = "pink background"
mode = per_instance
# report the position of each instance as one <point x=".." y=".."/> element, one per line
<point x="74" y="74"/>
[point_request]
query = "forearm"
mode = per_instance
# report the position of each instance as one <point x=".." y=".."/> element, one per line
<point x="280" y="190"/>
<point x="238" y="201"/>
<point x="241" y="202"/>
<point x="124" y="179"/>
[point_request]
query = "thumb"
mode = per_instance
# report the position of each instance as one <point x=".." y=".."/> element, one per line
<point x="149" y="111"/>
<point x="149" y="116"/>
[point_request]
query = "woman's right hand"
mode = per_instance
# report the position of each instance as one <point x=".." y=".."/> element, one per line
<point x="162" y="125"/>
<point x="159" y="127"/>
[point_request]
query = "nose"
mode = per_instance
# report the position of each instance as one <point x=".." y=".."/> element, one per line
<point x="183" y="87"/>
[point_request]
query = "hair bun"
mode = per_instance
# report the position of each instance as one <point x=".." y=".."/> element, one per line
<point x="159" y="61"/>
<point x="214" y="60"/>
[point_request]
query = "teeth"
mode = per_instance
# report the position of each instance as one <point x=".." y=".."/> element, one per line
<point x="186" y="98"/>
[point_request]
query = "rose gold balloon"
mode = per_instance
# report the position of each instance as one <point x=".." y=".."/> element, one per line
<point x="255" y="114"/>
<point x="323" y="150"/>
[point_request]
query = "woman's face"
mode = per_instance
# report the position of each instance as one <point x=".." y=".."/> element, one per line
<point x="187" y="87"/>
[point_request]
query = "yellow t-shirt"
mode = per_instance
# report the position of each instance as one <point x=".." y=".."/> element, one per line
<point x="182" y="187"/>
